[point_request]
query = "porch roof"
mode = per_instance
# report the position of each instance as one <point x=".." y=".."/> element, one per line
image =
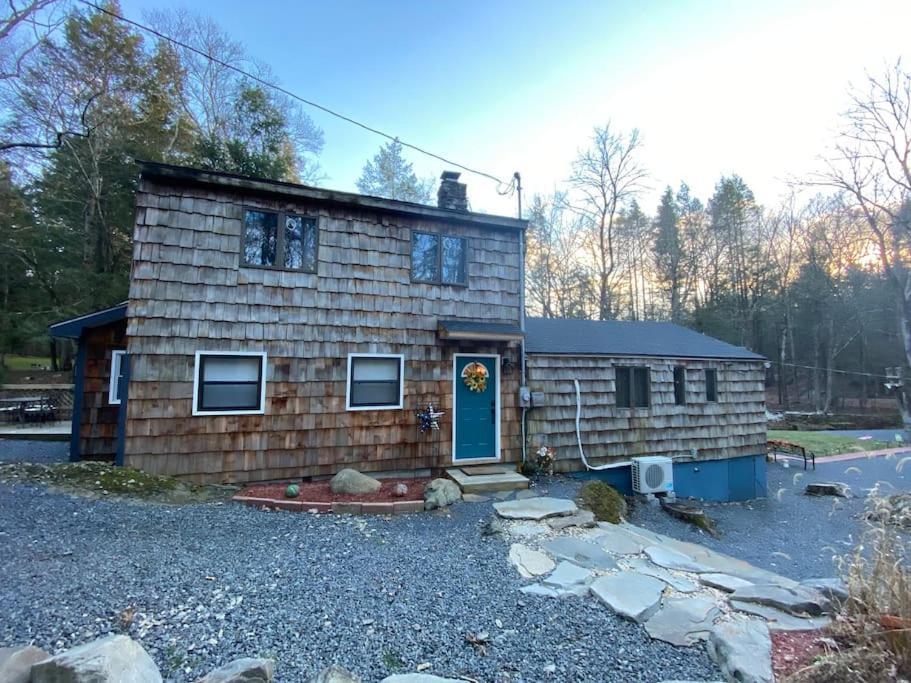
<point x="73" y="327"/>
<point x="479" y="330"/>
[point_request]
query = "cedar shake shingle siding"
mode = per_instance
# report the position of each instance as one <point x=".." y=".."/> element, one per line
<point x="188" y="293"/>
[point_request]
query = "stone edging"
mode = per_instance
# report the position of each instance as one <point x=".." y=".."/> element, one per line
<point x="400" y="507"/>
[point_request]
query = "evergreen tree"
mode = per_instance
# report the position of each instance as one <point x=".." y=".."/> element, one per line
<point x="390" y="175"/>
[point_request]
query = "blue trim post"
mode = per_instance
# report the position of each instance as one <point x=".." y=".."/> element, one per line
<point x="123" y="392"/>
<point x="78" y="382"/>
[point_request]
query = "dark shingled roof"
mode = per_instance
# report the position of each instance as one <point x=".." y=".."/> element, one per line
<point x="626" y="338"/>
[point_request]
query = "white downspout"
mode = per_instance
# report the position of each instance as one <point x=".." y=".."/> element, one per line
<point x="596" y="468"/>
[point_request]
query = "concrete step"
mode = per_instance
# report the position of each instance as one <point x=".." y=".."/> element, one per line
<point x="487" y="478"/>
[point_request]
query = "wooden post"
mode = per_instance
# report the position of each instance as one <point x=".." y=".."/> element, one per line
<point x="78" y="382"/>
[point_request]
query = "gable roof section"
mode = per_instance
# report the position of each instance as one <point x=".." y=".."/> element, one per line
<point x="626" y="338"/>
<point x="244" y="184"/>
<point x="72" y="328"/>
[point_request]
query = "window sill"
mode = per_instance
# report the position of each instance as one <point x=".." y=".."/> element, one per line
<point x="216" y="413"/>
<point x="278" y="269"/>
<point x="362" y="408"/>
<point x="440" y="284"/>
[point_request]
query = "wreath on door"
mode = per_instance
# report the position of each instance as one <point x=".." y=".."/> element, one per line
<point x="475" y="375"/>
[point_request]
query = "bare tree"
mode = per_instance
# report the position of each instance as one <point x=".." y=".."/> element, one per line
<point x="604" y="178"/>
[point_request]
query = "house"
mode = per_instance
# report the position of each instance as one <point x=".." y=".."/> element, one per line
<point x="275" y="331"/>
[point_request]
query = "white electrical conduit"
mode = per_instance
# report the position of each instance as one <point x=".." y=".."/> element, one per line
<point x="608" y="466"/>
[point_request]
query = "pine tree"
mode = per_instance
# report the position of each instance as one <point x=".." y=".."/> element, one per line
<point x="390" y="175"/>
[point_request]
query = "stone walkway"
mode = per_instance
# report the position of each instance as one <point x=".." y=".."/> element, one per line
<point x="681" y="593"/>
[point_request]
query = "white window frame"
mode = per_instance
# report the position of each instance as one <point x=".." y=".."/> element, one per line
<point x="116" y="360"/>
<point x="400" y="404"/>
<point x="262" y="389"/>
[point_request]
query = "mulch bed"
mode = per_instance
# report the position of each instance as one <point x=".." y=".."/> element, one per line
<point x="794" y="650"/>
<point x="319" y="492"/>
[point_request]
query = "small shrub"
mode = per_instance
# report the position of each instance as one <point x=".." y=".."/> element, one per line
<point x="603" y="500"/>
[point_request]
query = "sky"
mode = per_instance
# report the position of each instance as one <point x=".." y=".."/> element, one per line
<point x="715" y="88"/>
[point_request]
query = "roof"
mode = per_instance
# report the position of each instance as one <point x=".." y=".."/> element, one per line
<point x="626" y="338"/>
<point x="239" y="183"/>
<point x="73" y="328"/>
<point x="478" y="329"/>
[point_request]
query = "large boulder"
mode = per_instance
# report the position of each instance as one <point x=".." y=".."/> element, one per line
<point x="441" y="493"/>
<point x="353" y="482"/>
<point x="245" y="670"/>
<point x="111" y="659"/>
<point x="334" y="674"/>
<point x="829" y="488"/>
<point x="16" y="663"/>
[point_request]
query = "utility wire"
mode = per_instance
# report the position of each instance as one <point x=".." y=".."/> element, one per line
<point x="500" y="183"/>
<point x="840" y="372"/>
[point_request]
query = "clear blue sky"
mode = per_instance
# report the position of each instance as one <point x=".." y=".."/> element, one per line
<point x="715" y="87"/>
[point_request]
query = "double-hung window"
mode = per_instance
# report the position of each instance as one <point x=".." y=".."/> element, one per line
<point x="279" y="240"/>
<point x="229" y="383"/>
<point x="632" y="386"/>
<point x="114" y="387"/>
<point x="439" y="259"/>
<point x="680" y="385"/>
<point x="711" y="385"/>
<point x="375" y="381"/>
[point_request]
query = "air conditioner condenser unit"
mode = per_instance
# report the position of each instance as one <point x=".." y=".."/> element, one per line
<point x="653" y="474"/>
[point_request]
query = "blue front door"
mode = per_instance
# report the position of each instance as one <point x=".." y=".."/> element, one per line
<point x="476" y="408"/>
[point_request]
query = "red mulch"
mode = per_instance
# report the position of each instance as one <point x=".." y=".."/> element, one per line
<point x="793" y="650"/>
<point x="319" y="492"/>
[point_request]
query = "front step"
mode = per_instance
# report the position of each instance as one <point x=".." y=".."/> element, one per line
<point x="483" y="478"/>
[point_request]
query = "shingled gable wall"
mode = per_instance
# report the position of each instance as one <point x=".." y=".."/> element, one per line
<point x="188" y="293"/>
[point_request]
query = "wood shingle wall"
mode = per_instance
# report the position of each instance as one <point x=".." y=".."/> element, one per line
<point x="733" y="426"/>
<point x="188" y="293"/>
<point x="98" y="423"/>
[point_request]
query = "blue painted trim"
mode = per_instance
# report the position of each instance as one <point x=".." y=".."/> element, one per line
<point x="123" y="393"/>
<point x="74" y="327"/>
<point x="78" y="383"/>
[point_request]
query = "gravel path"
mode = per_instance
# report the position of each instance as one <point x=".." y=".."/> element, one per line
<point x="214" y="582"/>
<point x="788" y="532"/>
<point x="45" y="452"/>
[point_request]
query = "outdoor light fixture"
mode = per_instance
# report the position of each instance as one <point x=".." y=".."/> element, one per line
<point x="508" y="364"/>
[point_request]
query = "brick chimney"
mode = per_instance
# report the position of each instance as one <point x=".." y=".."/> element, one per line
<point x="452" y="194"/>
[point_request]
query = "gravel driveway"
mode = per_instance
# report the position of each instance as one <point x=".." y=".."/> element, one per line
<point x="789" y="532"/>
<point x="217" y="581"/>
<point x="45" y="452"/>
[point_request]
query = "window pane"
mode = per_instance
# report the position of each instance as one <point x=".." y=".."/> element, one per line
<point x="230" y="396"/>
<point x="375" y="369"/>
<point x="259" y="238"/>
<point x="641" y="393"/>
<point x="230" y="368"/>
<point x="300" y="243"/>
<point x="454" y="260"/>
<point x="375" y="394"/>
<point x="680" y="386"/>
<point x="622" y="387"/>
<point x="425" y="257"/>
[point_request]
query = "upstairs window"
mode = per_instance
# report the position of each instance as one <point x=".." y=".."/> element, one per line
<point x="375" y="381"/>
<point x="680" y="385"/>
<point x="229" y="383"/>
<point x="632" y="387"/>
<point x="439" y="259"/>
<point x="264" y="245"/>
<point x="711" y="385"/>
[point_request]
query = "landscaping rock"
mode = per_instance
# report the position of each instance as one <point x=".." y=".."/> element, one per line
<point x="529" y="530"/>
<point x="630" y="594"/>
<point x="617" y="540"/>
<point x="335" y="674"/>
<point x="248" y="670"/>
<point x="441" y="493"/>
<point x="799" y="600"/>
<point x="678" y="583"/>
<point x="724" y="582"/>
<point x="584" y="553"/>
<point x="742" y="650"/>
<point x="538" y="589"/>
<point x="778" y="620"/>
<point x="16" y="663"/>
<point x="689" y="513"/>
<point x="535" y="508"/>
<point x="400" y="490"/>
<point x="672" y="559"/>
<point x="568" y="576"/>
<point x="525" y="494"/>
<point x="474" y="498"/>
<point x="353" y="482"/>
<point x="528" y="561"/>
<point x="683" y="621"/>
<point x="419" y="678"/>
<point x="829" y="488"/>
<point x="111" y="659"/>
<point x="583" y="518"/>
<point x="833" y="588"/>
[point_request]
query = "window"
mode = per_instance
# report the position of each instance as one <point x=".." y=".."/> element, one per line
<point x="114" y="387"/>
<point x="680" y="385"/>
<point x="375" y="381"/>
<point x="632" y="386"/>
<point x="292" y="248"/>
<point x="711" y="385"/>
<point x="229" y="383"/>
<point x="439" y="259"/>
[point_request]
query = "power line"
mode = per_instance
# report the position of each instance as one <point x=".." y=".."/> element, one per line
<point x="840" y="372"/>
<point x="509" y="186"/>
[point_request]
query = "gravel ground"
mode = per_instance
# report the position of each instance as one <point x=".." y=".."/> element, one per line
<point x="788" y="532"/>
<point x="45" y="452"/>
<point x="218" y="581"/>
